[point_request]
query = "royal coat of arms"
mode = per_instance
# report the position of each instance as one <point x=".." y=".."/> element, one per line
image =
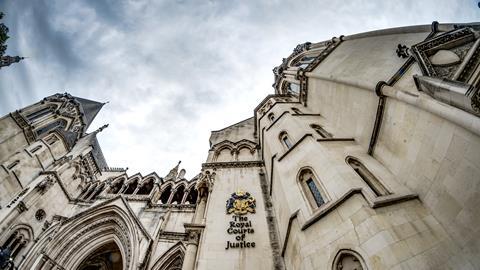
<point x="240" y="203"/>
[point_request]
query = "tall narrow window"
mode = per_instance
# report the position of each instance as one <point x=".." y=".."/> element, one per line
<point x="13" y="164"/>
<point x="315" y="192"/>
<point x="60" y="124"/>
<point x="294" y="88"/>
<point x="42" y="112"/>
<point x="285" y="140"/>
<point x="166" y="192"/>
<point x="321" y="131"/>
<point x="311" y="188"/>
<point x="373" y="183"/>
<point x="297" y="111"/>
<point x="15" y="244"/>
<point x="132" y="186"/>
<point x="146" y="187"/>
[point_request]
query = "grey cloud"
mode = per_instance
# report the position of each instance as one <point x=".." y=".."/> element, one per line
<point x="174" y="70"/>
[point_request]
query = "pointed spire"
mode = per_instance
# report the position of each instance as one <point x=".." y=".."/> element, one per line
<point x="8" y="60"/>
<point x="100" y="129"/>
<point x="172" y="175"/>
<point x="89" y="109"/>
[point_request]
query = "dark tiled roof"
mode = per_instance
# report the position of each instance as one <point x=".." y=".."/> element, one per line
<point x="90" y="109"/>
<point x="97" y="153"/>
<point x="70" y="138"/>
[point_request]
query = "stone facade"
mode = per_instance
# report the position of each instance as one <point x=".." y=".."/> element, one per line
<point x="367" y="156"/>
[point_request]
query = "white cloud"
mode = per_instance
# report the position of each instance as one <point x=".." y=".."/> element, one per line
<point x="173" y="71"/>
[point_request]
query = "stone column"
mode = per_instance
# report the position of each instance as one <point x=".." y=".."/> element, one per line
<point x="200" y="210"/>
<point x="193" y="231"/>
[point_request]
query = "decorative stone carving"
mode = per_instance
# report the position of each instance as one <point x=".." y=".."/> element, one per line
<point x="402" y="51"/>
<point x="444" y="58"/>
<point x="205" y="182"/>
<point x="45" y="184"/>
<point x="40" y="214"/>
<point x="450" y="64"/>
<point x="463" y="42"/>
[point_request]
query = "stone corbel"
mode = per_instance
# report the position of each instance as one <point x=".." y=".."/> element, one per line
<point x="194" y="232"/>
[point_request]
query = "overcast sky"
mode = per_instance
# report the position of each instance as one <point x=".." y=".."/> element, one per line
<point x="175" y="70"/>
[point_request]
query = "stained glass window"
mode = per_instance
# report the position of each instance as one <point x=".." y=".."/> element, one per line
<point x="315" y="192"/>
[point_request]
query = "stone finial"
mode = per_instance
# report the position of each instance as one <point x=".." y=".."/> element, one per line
<point x="402" y="51"/>
<point x="172" y="175"/>
<point x="100" y="129"/>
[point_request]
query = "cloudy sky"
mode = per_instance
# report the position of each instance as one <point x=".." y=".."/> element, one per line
<point x="175" y="70"/>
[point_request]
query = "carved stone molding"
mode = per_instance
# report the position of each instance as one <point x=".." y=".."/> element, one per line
<point x="233" y="164"/>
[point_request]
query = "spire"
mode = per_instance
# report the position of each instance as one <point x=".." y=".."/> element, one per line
<point x="100" y="129"/>
<point x="7" y="60"/>
<point x="172" y="175"/>
<point x="89" y="109"/>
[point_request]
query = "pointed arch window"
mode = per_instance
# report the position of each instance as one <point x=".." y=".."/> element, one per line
<point x="166" y="194"/>
<point x="369" y="178"/>
<point x="348" y="260"/>
<point x="132" y="186"/>
<point x="285" y="139"/>
<point x="146" y="187"/>
<point x="16" y="242"/>
<point x="97" y="192"/>
<point x="192" y="196"/>
<point x="35" y="149"/>
<point x="57" y="124"/>
<point x="296" y="110"/>
<point x="293" y="88"/>
<point x="42" y="112"/>
<point x="177" y="198"/>
<point x="311" y="188"/>
<point x="13" y="164"/>
<point x="116" y="187"/>
<point x="321" y="131"/>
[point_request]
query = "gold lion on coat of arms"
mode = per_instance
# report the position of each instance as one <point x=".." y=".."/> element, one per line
<point x="240" y="203"/>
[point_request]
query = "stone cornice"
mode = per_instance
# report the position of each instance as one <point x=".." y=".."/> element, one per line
<point x="233" y="164"/>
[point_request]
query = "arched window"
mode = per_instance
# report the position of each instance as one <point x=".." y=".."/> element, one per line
<point x="297" y="111"/>
<point x="321" y="131"/>
<point x="146" y="187"/>
<point x="370" y="179"/>
<point x="131" y="187"/>
<point x="293" y="88"/>
<point x="51" y="139"/>
<point x="35" y="149"/>
<point x="90" y="191"/>
<point x="311" y="188"/>
<point x="57" y="124"/>
<point x="305" y="61"/>
<point x="116" y="187"/>
<point x="271" y="117"/>
<point x="192" y="196"/>
<point x="16" y="242"/>
<point x="13" y="164"/>
<point x="177" y="198"/>
<point x="285" y="140"/>
<point x="348" y="260"/>
<point x="166" y="194"/>
<point x="42" y="112"/>
<point x="98" y="190"/>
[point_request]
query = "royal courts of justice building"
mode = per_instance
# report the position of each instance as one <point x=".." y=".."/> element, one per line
<point x="365" y="156"/>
